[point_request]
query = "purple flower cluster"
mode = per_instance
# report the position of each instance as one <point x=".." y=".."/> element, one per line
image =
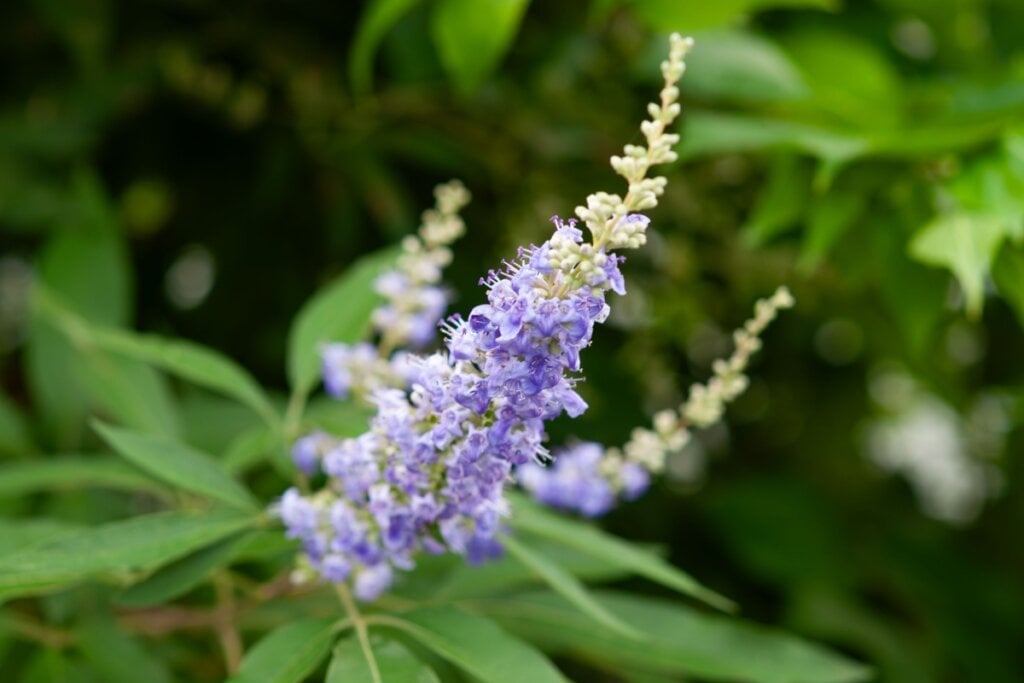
<point x="430" y="473"/>
<point x="575" y="480"/>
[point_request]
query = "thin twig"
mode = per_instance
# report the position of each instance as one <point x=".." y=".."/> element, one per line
<point x="359" y="623"/>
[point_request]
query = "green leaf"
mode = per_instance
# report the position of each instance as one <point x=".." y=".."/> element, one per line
<point x="738" y="65"/>
<point x="467" y="580"/>
<point x="288" y="654"/>
<point x="86" y="263"/>
<point x="139" y="543"/>
<point x="678" y="640"/>
<point x="14" y="434"/>
<point x="966" y="244"/>
<point x="589" y="539"/>
<point x="708" y="132"/>
<point x="118" y="657"/>
<point x="567" y="585"/>
<point x="178" y="464"/>
<point x="183" y="575"/>
<point x="472" y="36"/>
<point x="191" y="362"/>
<point x="1009" y="277"/>
<point x="63" y="472"/>
<point x="782" y="201"/>
<point x="673" y="15"/>
<point x="129" y="391"/>
<point x="339" y="313"/>
<point x="394" y="663"/>
<point x="376" y="20"/>
<point x="249" y="449"/>
<point x="475" y="644"/>
<point x="830" y="216"/>
<point x="19" y="534"/>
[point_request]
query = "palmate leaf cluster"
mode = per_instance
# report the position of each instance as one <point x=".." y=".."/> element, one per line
<point x="866" y="153"/>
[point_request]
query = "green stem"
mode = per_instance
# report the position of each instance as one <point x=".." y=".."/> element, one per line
<point x="359" y="623"/>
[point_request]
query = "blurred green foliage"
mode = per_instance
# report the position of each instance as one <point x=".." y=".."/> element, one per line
<point x="198" y="169"/>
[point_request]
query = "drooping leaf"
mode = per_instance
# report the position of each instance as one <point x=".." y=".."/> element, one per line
<point x="588" y="539"/>
<point x="118" y="657"/>
<point x="181" y="576"/>
<point x="178" y="464"/>
<point x="340" y="312"/>
<point x="14" y="434"/>
<point x="567" y="585"/>
<point x="966" y="244"/>
<point x="66" y="472"/>
<point x="678" y="640"/>
<point x="477" y="645"/>
<point x="830" y="216"/>
<point x="394" y="663"/>
<point x="378" y="17"/>
<point x="139" y="543"/>
<point x="472" y="36"/>
<point x="288" y="654"/>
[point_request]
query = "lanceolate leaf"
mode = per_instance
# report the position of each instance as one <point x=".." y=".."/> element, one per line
<point x="477" y="645"/>
<point x="60" y="472"/>
<point x="591" y="540"/>
<point x="341" y="312"/>
<point x="117" y="656"/>
<point x="183" y="575"/>
<point x="288" y="654"/>
<point x="678" y="640"/>
<point x="394" y="663"/>
<point x="567" y="585"/>
<point x="378" y="17"/>
<point x="136" y="544"/>
<point x="178" y="464"/>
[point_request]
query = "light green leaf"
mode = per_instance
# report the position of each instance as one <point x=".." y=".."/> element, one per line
<point x="708" y="132"/>
<point x="472" y="36"/>
<point x="739" y="65"/>
<point x="129" y="391"/>
<point x="118" y="657"/>
<point x="181" y="576"/>
<point x="567" y="585"/>
<point x="674" y="15"/>
<point x="376" y="20"/>
<point x="139" y="543"/>
<point x="287" y="654"/>
<point x="249" y="449"/>
<point x="966" y="244"/>
<point x="678" y="640"/>
<point x="19" y="534"/>
<point x="178" y="464"/>
<point x="394" y="663"/>
<point x="530" y="518"/>
<point x="475" y="644"/>
<point x="339" y="313"/>
<point x="68" y="472"/>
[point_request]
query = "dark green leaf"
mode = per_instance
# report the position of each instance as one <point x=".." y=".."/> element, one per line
<point x="119" y="657"/>
<point x="287" y="654"/>
<point x="589" y="539"/>
<point x="181" y="576"/>
<point x="473" y="35"/>
<point x="178" y="464"/>
<point x="678" y="640"/>
<point x="378" y="17"/>
<point x="340" y="313"/>
<point x="139" y="543"/>
<point x="14" y="435"/>
<point x="672" y="15"/>
<point x="394" y="663"/>
<point x="781" y="202"/>
<point x="477" y="645"/>
<point x="567" y="585"/>
<point x="1009" y="276"/>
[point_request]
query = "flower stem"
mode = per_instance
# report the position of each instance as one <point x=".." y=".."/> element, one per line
<point x="359" y="623"/>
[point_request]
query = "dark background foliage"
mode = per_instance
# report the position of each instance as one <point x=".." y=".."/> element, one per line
<point x="858" y="152"/>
